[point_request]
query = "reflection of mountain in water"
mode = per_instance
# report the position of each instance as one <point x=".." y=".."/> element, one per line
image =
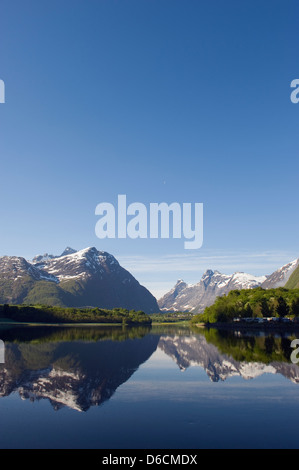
<point x="82" y="367"/>
<point x="77" y="374"/>
<point x="195" y="350"/>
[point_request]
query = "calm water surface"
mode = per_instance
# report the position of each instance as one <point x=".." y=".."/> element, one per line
<point x="159" y="388"/>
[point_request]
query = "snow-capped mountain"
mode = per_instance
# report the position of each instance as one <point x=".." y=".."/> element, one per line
<point x="280" y="277"/>
<point x="82" y="264"/>
<point x="40" y="259"/>
<point x="195" y="297"/>
<point x="68" y="251"/>
<point x="14" y="268"/>
<point x="77" y="279"/>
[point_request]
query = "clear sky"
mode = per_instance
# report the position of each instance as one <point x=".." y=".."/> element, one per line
<point x="161" y="100"/>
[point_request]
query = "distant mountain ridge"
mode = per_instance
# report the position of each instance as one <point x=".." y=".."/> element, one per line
<point x="85" y="278"/>
<point x="196" y="297"/>
<point x="92" y="278"/>
<point x="39" y="259"/>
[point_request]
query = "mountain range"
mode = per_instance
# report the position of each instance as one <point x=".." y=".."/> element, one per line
<point x="92" y="278"/>
<point x="196" y="297"/>
<point x="85" y="278"/>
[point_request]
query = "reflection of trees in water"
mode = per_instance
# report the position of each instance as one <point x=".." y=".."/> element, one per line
<point x="269" y="344"/>
<point x="285" y="344"/>
<point x="59" y="333"/>
<point x="224" y="354"/>
<point x="263" y="347"/>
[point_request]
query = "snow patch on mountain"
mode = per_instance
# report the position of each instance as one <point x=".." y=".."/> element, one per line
<point x="194" y="298"/>
<point x="14" y="268"/>
<point x="280" y="277"/>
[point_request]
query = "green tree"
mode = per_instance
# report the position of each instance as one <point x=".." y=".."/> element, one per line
<point x="265" y="310"/>
<point x="295" y="307"/>
<point x="282" y="308"/>
<point x="248" y="310"/>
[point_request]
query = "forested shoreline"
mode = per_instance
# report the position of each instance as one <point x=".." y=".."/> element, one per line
<point x="254" y="303"/>
<point x="48" y="314"/>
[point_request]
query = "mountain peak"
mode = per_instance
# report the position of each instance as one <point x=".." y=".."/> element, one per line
<point x="17" y="268"/>
<point x="92" y="256"/>
<point x="68" y="251"/>
<point x="42" y="258"/>
<point x="180" y="285"/>
<point x="208" y="273"/>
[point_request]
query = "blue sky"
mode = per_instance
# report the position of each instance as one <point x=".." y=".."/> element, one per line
<point x="161" y="100"/>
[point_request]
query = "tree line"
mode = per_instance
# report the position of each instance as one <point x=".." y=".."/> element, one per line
<point x="252" y="303"/>
<point x="49" y="314"/>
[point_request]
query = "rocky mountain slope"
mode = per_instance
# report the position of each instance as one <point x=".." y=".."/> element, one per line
<point x="39" y="259"/>
<point x="78" y="279"/>
<point x="280" y="277"/>
<point x="196" y="297"/>
<point x="293" y="281"/>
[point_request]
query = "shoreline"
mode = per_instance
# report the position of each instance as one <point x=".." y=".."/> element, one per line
<point x="12" y="322"/>
<point x="250" y="326"/>
<point x="7" y="323"/>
